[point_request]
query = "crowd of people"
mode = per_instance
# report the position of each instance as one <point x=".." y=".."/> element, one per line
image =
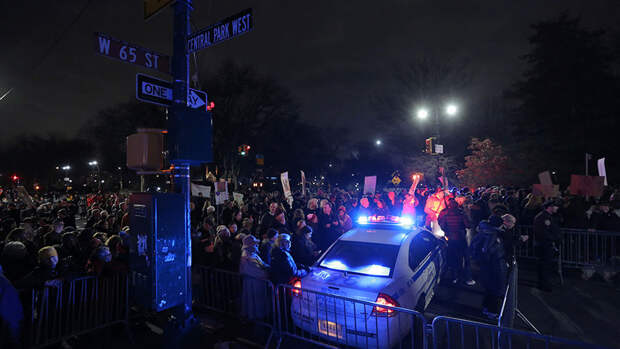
<point x="46" y="238"/>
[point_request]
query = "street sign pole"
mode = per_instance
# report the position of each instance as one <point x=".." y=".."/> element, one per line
<point x="181" y="172"/>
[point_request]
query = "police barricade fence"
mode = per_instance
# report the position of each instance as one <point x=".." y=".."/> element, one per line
<point x="578" y="247"/>
<point x="330" y="320"/>
<point x="236" y="295"/>
<point x="71" y="308"/>
<point x="448" y="333"/>
<point x="509" y="305"/>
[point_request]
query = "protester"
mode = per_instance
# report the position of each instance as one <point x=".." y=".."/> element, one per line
<point x="452" y="222"/>
<point x="11" y="314"/>
<point x="283" y="266"/>
<point x="303" y="249"/>
<point x="488" y="252"/>
<point x="267" y="245"/>
<point x="255" y="294"/>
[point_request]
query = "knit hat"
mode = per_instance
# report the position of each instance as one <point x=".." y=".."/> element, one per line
<point x="282" y="237"/>
<point x="249" y="241"/>
<point x="14" y="250"/>
<point x="210" y="209"/>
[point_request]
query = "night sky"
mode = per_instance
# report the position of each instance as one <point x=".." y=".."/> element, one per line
<point x="332" y="55"/>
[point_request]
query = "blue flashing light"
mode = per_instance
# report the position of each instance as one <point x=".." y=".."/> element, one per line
<point x="406" y="221"/>
<point x="372" y="269"/>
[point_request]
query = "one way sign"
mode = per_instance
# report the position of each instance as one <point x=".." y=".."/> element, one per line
<point x="156" y="91"/>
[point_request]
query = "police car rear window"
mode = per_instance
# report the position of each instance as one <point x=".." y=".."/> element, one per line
<point x="361" y="258"/>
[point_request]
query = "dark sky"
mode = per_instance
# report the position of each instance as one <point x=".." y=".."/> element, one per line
<point x="333" y="55"/>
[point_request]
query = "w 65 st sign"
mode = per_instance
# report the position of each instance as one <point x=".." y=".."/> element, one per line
<point x="130" y="53"/>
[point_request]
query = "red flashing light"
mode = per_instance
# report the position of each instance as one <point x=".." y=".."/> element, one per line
<point x="384" y="299"/>
<point x="296" y="283"/>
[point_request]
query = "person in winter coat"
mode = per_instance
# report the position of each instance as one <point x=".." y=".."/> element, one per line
<point x="268" y="219"/>
<point x="344" y="220"/>
<point x="487" y="250"/>
<point x="547" y="237"/>
<point x="327" y="229"/>
<point x="452" y="221"/>
<point x="267" y="245"/>
<point x="283" y="267"/>
<point x="44" y="272"/>
<point x="303" y="249"/>
<point x="510" y="238"/>
<point x="11" y="313"/>
<point x="255" y="295"/>
<point x="222" y="248"/>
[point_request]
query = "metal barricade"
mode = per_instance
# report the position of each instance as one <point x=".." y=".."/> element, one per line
<point x="509" y="305"/>
<point x="458" y="333"/>
<point x="330" y="320"/>
<point x="83" y="305"/>
<point x="579" y="247"/>
<point x="238" y="296"/>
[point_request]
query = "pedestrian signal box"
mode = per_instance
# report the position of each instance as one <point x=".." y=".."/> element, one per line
<point x="158" y="250"/>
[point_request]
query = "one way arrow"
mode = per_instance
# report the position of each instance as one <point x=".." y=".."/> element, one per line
<point x="196" y="100"/>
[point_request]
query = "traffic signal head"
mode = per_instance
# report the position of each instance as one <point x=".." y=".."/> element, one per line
<point x="429" y="146"/>
<point x="14" y="178"/>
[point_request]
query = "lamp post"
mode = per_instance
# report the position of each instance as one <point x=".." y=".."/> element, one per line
<point x="95" y="163"/>
<point x="449" y="110"/>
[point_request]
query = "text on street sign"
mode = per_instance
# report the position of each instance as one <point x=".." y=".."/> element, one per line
<point x="156" y="91"/>
<point x="231" y="27"/>
<point x="130" y="53"/>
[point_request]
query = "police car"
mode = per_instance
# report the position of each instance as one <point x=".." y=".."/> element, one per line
<point x="384" y="260"/>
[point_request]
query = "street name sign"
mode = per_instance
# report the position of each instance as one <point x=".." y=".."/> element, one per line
<point x="156" y="91"/>
<point x="130" y="53"/>
<point x="226" y="29"/>
<point x="152" y="7"/>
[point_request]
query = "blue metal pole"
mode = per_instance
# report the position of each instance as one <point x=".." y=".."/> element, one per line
<point x="180" y="74"/>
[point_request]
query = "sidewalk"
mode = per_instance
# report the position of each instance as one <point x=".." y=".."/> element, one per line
<point x="588" y="311"/>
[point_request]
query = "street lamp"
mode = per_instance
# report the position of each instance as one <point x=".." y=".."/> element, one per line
<point x="378" y="142"/>
<point x="451" y="109"/>
<point x="422" y="113"/>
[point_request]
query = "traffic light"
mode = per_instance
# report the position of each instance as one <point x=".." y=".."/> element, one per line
<point x="14" y="178"/>
<point x="429" y="146"/>
<point x="243" y="149"/>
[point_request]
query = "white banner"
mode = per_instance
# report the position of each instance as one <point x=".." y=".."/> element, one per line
<point x="286" y="186"/>
<point x="370" y="184"/>
<point x="197" y="190"/>
<point x="238" y="197"/>
<point x="601" y="169"/>
<point x="221" y="192"/>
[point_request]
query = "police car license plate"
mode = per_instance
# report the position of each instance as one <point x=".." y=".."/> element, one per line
<point x="331" y="329"/>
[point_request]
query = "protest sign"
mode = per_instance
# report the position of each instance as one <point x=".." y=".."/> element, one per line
<point x="238" y="197"/>
<point x="221" y="192"/>
<point x="201" y="190"/>
<point x="370" y="184"/>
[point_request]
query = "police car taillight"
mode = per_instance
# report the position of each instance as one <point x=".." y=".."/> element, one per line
<point x="384" y="299"/>
<point x="296" y="283"/>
